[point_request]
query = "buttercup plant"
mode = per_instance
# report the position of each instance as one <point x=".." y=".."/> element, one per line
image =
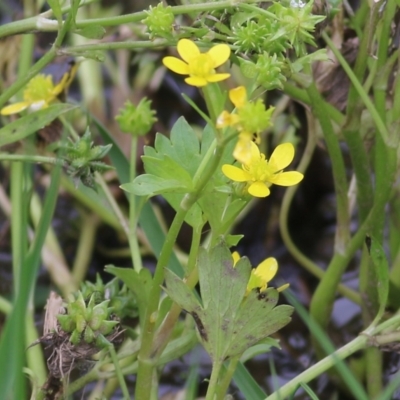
<point x="244" y="64"/>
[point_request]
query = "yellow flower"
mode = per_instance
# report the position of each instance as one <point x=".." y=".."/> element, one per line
<point x="39" y="93"/>
<point x="199" y="66"/>
<point x="261" y="275"/>
<point x="260" y="174"/>
<point x="250" y="119"/>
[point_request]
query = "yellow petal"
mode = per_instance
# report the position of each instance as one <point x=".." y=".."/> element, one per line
<point x="267" y="269"/>
<point x="187" y="50"/>
<point x="286" y="178"/>
<point x="15" y="108"/>
<point x="238" y="96"/>
<point x="176" y="65"/>
<point x="224" y="119"/>
<point x="217" y="77"/>
<point x="254" y="153"/>
<point x="219" y="54"/>
<point x="242" y="151"/>
<point x="282" y="156"/>
<point x="235" y="173"/>
<point x="61" y="85"/>
<point x="258" y="189"/>
<point x="196" y="81"/>
<point x="236" y="257"/>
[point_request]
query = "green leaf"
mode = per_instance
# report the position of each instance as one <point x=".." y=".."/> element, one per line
<point x="247" y="384"/>
<point x="12" y="340"/>
<point x="91" y="32"/>
<point x="56" y="8"/>
<point x="181" y="293"/>
<point x="228" y="323"/>
<point x="25" y="126"/>
<point x="183" y="147"/>
<point x="168" y="168"/>
<point x="381" y="265"/>
<point x="150" y="185"/>
<point x="177" y="159"/>
<point x="139" y="283"/>
<point x="309" y="391"/>
<point x="260" y="348"/>
<point x="259" y="317"/>
<point x="233" y="240"/>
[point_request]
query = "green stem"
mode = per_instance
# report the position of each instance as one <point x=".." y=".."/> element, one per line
<point x="33" y="24"/>
<point x="359" y="343"/>
<point x="146" y="363"/>
<point x="302" y="96"/>
<point x="338" y="169"/>
<point x="114" y="205"/>
<point x="322" y="301"/>
<point x="27" y="25"/>
<point x="31" y="159"/>
<point x="227" y="377"/>
<point x="133" y="239"/>
<point x="308" y="264"/>
<point x="192" y="278"/>
<point x="213" y="383"/>
<point x="212" y="97"/>
<point x="382" y="130"/>
<point x="118" y="372"/>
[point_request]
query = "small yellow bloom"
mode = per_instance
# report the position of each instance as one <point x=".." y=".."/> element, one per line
<point x="199" y="66"/>
<point x="39" y="93"/>
<point x="250" y="119"/>
<point x="238" y="97"/>
<point x="260" y="174"/>
<point x="261" y="275"/>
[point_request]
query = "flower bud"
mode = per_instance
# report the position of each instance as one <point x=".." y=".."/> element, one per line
<point x="136" y="120"/>
<point x="159" y="21"/>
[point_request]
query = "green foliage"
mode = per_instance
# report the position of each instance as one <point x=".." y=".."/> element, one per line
<point x="227" y="321"/>
<point x="270" y="42"/>
<point x="82" y="159"/>
<point x="138" y="283"/>
<point x="170" y="169"/>
<point x="296" y="22"/>
<point x="89" y="322"/>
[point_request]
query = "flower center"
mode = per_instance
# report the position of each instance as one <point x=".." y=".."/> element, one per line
<point x="201" y="66"/>
<point x="39" y="88"/>
<point x="259" y="170"/>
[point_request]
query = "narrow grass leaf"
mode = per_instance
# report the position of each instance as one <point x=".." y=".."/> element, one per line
<point x="309" y="391"/>
<point x="247" y="384"/>
<point x="12" y="342"/>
